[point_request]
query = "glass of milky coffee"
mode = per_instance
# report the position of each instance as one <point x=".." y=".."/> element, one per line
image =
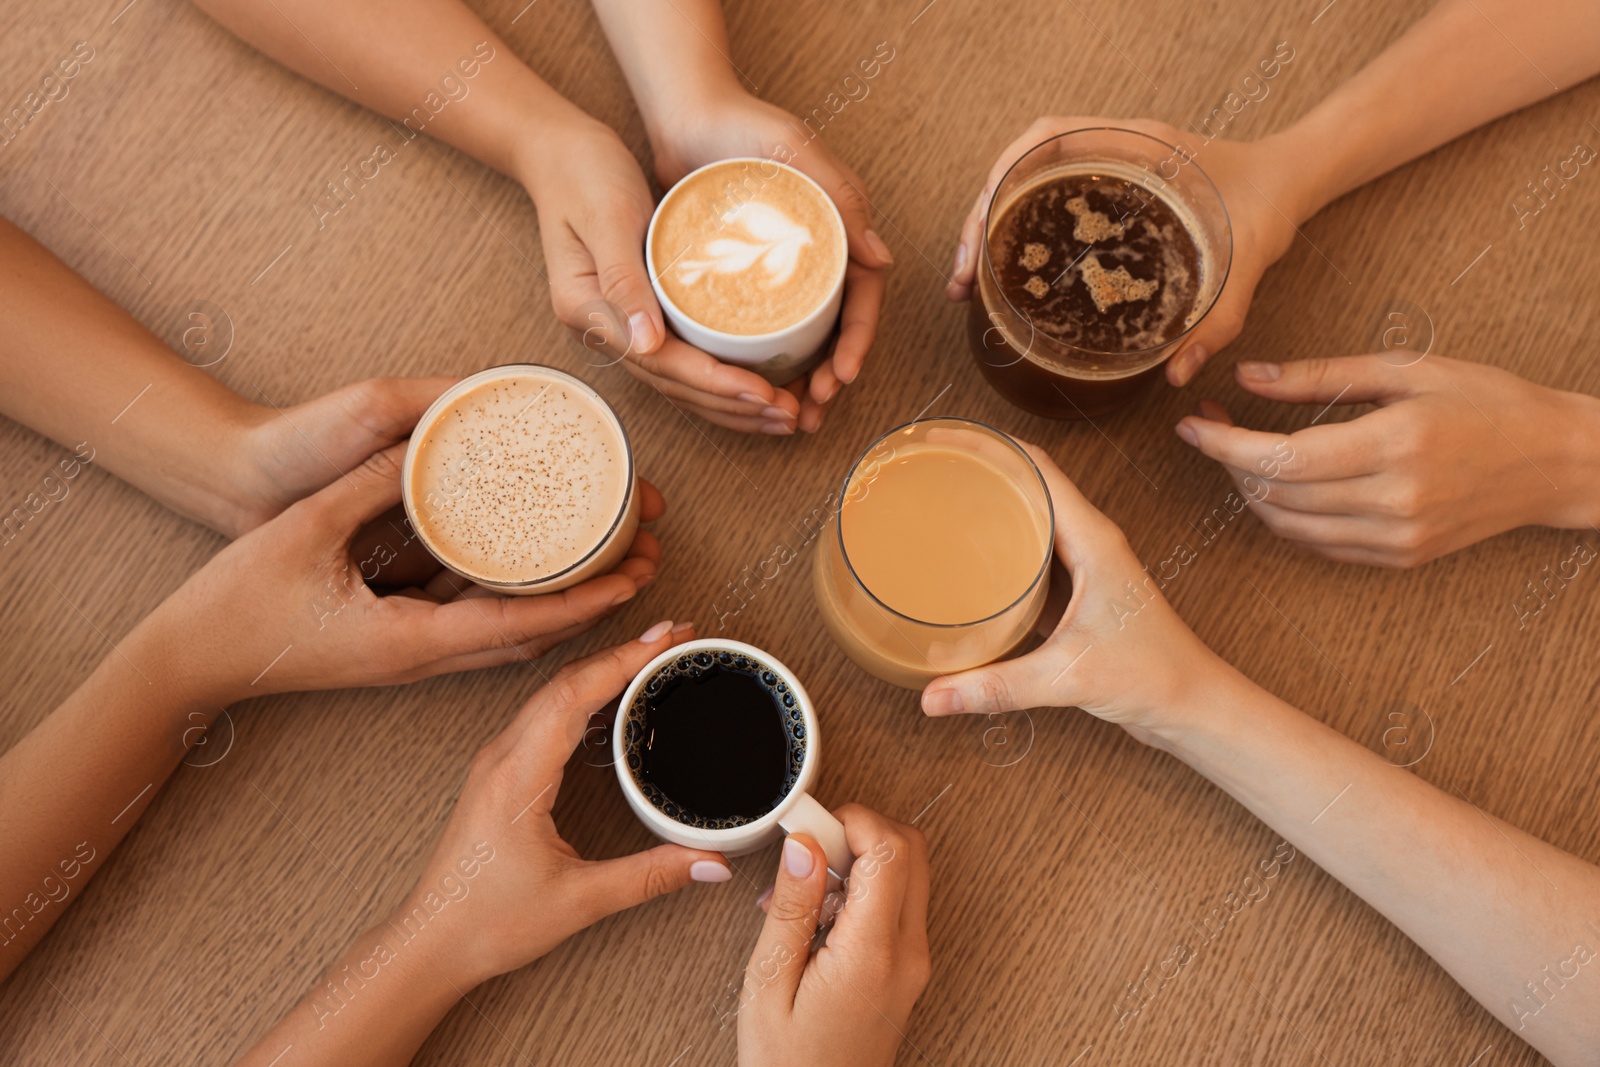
<point x="747" y="257"/>
<point x="520" y="478"/>
<point x="938" y="558"/>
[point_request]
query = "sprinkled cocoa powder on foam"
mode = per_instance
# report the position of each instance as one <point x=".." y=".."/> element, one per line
<point x="519" y="479"/>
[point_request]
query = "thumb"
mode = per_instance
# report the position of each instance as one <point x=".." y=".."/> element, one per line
<point x="1031" y="681"/>
<point x="625" y="284"/>
<point x="1347" y="379"/>
<point x="845" y="190"/>
<point x="609" y="886"/>
<point x="781" y="953"/>
<point x="1221" y="325"/>
<point x="362" y="494"/>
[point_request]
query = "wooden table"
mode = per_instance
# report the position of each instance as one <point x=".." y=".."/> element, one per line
<point x="1067" y="861"/>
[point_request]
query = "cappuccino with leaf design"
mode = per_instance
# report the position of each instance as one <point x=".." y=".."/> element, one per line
<point x="748" y="258"/>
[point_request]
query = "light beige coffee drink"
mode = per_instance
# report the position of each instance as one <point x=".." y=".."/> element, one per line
<point x="521" y="478"/>
<point x="747" y="247"/>
<point x="938" y="560"/>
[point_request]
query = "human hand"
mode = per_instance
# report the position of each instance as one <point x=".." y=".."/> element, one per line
<point x="733" y="124"/>
<point x="1119" y="652"/>
<point x="1455" y="452"/>
<point x="282" y="454"/>
<point x="1258" y="185"/>
<point x="594" y="210"/>
<point x="847" y="1005"/>
<point x="505" y="888"/>
<point x="285" y="607"/>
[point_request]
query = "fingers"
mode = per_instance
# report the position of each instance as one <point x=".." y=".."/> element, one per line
<point x="1040" y="679"/>
<point x="652" y="505"/>
<point x="1220" y="327"/>
<point x="867" y="247"/>
<point x="1083" y="533"/>
<point x="473" y="624"/>
<point x="793" y="912"/>
<point x="888" y="894"/>
<point x="609" y="886"/>
<point x="722" y="392"/>
<point x="858" y="328"/>
<point x="964" y="272"/>
<point x="360" y="495"/>
<point x="1346" y="380"/>
<point x="1317" y="453"/>
<point x="617" y="251"/>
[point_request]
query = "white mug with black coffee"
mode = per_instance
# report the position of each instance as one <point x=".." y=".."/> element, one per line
<point x="747" y="257"/>
<point x="716" y="746"/>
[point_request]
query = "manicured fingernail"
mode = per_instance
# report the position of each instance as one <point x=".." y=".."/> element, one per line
<point x="1186" y="432"/>
<point x="1259" y="372"/>
<point x="766" y="895"/>
<point x="797" y="859"/>
<point x="682" y="628"/>
<point x="961" y="259"/>
<point x="708" y="871"/>
<point x="656" y="632"/>
<point x="643" y="332"/>
<point x="879" y="249"/>
<point x="777" y="414"/>
<point x="751" y="398"/>
<point x="778" y="429"/>
<point x="1189" y="361"/>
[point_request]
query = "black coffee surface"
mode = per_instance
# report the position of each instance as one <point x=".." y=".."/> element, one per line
<point x="1097" y="262"/>
<point x="715" y="739"/>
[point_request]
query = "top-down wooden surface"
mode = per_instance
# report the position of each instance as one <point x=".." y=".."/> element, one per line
<point x="1068" y="861"/>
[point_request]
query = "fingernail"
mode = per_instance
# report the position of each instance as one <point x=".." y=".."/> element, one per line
<point x="961" y="259"/>
<point x="777" y="429"/>
<point x="942" y="702"/>
<point x="708" y="871"/>
<point x="1186" y="432"/>
<point x="797" y="859"/>
<point x="777" y="414"/>
<point x="625" y="595"/>
<point x="766" y="895"/>
<point x="1189" y="362"/>
<point x="656" y="632"/>
<point x="879" y="249"/>
<point x="833" y="391"/>
<point x="1250" y="370"/>
<point x="682" y="628"/>
<point x="751" y="398"/>
<point x="847" y="376"/>
<point x="644" y="580"/>
<point x="642" y="332"/>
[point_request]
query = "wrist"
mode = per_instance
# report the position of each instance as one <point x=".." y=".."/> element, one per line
<point x="1210" y="699"/>
<point x="673" y="113"/>
<point x="1299" y="170"/>
<point x="1575" y="503"/>
<point x="541" y="147"/>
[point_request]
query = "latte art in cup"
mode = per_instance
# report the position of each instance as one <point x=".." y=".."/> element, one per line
<point x="521" y="478"/>
<point x="747" y="257"/>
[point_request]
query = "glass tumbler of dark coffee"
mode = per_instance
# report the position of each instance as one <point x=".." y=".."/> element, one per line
<point x="1103" y="249"/>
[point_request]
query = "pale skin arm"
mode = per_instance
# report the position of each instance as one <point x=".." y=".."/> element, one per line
<point x="80" y="370"/>
<point x="1492" y="904"/>
<point x="675" y="55"/>
<point x="75" y="784"/>
<point x="594" y="204"/>
<point x="1449" y="73"/>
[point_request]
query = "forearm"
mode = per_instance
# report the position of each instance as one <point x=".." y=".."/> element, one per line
<point x="73" y="787"/>
<point x="1496" y="907"/>
<point x="375" y="1005"/>
<point x="1463" y="64"/>
<point x="81" y="371"/>
<point x="432" y="65"/>
<point x="674" y="53"/>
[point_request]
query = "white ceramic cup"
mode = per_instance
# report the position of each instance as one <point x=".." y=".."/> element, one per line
<point x="779" y="357"/>
<point x="797" y="812"/>
<point x="611" y="550"/>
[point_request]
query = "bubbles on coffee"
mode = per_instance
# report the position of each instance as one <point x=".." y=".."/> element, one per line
<point x="715" y="739"/>
<point x="1097" y="261"/>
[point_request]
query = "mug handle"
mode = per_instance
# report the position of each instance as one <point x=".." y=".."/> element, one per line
<point x="812" y="819"/>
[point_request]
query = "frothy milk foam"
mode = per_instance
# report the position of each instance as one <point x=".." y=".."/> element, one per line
<point x="519" y="478"/>
<point x="747" y="247"/>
